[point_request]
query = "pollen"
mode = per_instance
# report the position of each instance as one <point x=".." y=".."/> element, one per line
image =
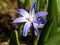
<point x="30" y="18"/>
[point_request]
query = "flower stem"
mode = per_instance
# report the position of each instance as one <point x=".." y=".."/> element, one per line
<point x="36" y="40"/>
<point x="32" y="34"/>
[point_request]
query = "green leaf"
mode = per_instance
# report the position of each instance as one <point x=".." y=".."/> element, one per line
<point x="53" y="12"/>
<point x="20" y="29"/>
<point x="58" y="29"/>
<point x="54" y="40"/>
<point x="46" y="31"/>
<point x="46" y="35"/>
<point x="39" y="5"/>
<point x="52" y="22"/>
<point x="42" y="5"/>
<point x="58" y="5"/>
<point x="14" y="38"/>
<point x="45" y="5"/>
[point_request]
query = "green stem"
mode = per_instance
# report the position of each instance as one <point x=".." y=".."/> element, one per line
<point x="39" y="2"/>
<point x="36" y="40"/>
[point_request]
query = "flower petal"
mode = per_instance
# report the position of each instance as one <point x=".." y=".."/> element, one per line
<point x="32" y="9"/>
<point x="37" y="20"/>
<point x="41" y="25"/>
<point x="35" y="28"/>
<point x="43" y="19"/>
<point x="36" y="32"/>
<point x="26" y="28"/>
<point x="40" y="20"/>
<point x="22" y="12"/>
<point x="19" y="20"/>
<point x="41" y="14"/>
<point x="35" y="25"/>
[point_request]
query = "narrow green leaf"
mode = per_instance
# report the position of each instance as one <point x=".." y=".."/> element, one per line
<point x="14" y="38"/>
<point x="39" y="5"/>
<point x="54" y="40"/>
<point x="53" y="12"/>
<point x="45" y="4"/>
<point x="58" y="5"/>
<point x="49" y="28"/>
<point x="52" y="22"/>
<point x="58" y="29"/>
<point x="42" y="5"/>
<point x="46" y="31"/>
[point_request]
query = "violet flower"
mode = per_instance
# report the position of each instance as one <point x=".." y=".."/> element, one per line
<point x="30" y="18"/>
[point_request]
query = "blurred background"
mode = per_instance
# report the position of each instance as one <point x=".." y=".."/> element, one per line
<point x="8" y="14"/>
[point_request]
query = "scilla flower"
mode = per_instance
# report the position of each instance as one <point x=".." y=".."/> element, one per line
<point x="30" y="19"/>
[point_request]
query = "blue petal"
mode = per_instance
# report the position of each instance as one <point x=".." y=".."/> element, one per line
<point x="35" y="28"/>
<point x="32" y="9"/>
<point x="43" y="19"/>
<point x="41" y="25"/>
<point x="35" y="25"/>
<point x="37" y="20"/>
<point x="41" y="14"/>
<point x="26" y="29"/>
<point x="19" y="20"/>
<point x="36" y="32"/>
<point x="22" y="12"/>
<point x="40" y="20"/>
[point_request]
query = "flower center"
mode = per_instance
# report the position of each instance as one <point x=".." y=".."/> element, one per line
<point x="30" y="18"/>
